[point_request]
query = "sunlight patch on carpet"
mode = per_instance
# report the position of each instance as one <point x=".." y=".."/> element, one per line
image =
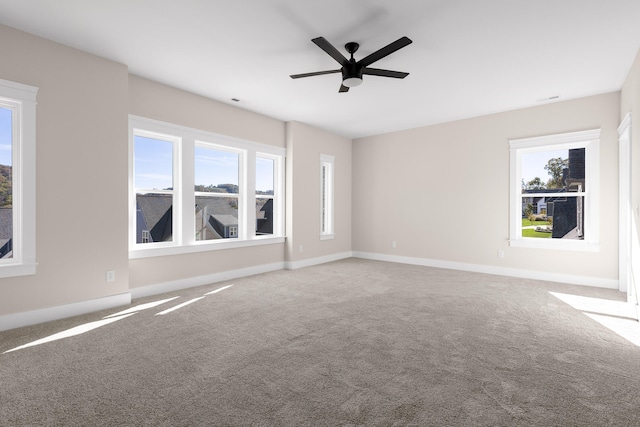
<point x="617" y="316"/>
<point x="218" y="290"/>
<point x="141" y="307"/>
<point x="81" y="329"/>
<point x="179" y="306"/>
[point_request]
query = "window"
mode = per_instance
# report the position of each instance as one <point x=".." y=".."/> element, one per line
<point x="154" y="186"/>
<point x="217" y="190"/>
<point x="17" y="178"/>
<point x="326" y="196"/>
<point x="265" y="180"/>
<point x="193" y="190"/>
<point x="554" y="191"/>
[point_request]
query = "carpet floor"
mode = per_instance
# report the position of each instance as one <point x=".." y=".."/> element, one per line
<point x="349" y="343"/>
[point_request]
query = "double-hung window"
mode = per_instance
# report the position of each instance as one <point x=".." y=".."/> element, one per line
<point x="155" y="186"/>
<point x="555" y="191"/>
<point x="193" y="190"/>
<point x="217" y="191"/>
<point x="17" y="179"/>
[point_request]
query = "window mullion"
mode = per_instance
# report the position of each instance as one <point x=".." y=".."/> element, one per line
<point x="188" y="198"/>
<point x="249" y="196"/>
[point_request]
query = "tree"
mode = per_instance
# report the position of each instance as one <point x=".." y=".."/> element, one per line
<point x="535" y="184"/>
<point x="554" y="168"/>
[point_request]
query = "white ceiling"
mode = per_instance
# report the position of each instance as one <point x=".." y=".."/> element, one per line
<point x="468" y="57"/>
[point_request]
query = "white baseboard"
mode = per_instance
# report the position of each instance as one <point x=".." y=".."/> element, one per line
<point x="293" y="265"/>
<point x="190" y="282"/>
<point x="489" y="269"/>
<point x="17" y="320"/>
<point x="26" y="318"/>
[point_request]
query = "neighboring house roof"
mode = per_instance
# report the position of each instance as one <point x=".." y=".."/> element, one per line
<point x="226" y="220"/>
<point x="265" y="220"/>
<point x="217" y="205"/>
<point x="156" y="210"/>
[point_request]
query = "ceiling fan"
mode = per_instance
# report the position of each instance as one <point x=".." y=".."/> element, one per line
<point x="352" y="70"/>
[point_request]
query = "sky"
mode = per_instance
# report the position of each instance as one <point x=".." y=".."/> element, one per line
<point x="153" y="166"/>
<point x="533" y="164"/>
<point x="5" y="136"/>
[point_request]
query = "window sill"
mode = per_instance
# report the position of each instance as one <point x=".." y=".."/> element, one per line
<point x="556" y="244"/>
<point x="327" y="236"/>
<point x="202" y="247"/>
<point x="15" y="270"/>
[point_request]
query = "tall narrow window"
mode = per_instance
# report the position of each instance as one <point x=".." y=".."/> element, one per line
<point x="265" y="192"/>
<point x="17" y="179"/>
<point x="555" y="191"/>
<point x="154" y="187"/>
<point x="326" y="196"/>
<point x="217" y="191"/>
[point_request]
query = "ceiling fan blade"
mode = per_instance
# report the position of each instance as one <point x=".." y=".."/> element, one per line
<point x="316" y="73"/>
<point x="323" y="44"/>
<point x="385" y="73"/>
<point x="343" y="88"/>
<point x="387" y="50"/>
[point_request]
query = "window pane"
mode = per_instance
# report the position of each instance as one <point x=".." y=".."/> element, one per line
<point x="264" y="187"/>
<point x="6" y="184"/>
<point x="216" y="171"/>
<point x="153" y="163"/>
<point x="154" y="218"/>
<point x="264" y="176"/>
<point x="543" y="169"/>
<point x="264" y="216"/>
<point x="216" y="217"/>
<point x="557" y="217"/>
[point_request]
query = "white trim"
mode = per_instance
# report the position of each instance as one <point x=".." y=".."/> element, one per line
<point x="556" y="139"/>
<point x="26" y="318"/>
<point x="624" y="207"/>
<point x="327" y="188"/>
<point x="23" y="99"/>
<point x="191" y="282"/>
<point x="204" y="136"/>
<point x="489" y="269"/>
<point x="204" y="246"/>
<point x="294" y="265"/>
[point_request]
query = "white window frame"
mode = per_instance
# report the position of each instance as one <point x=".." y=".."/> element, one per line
<point x="21" y="99"/>
<point x="184" y="239"/>
<point x="278" y="191"/>
<point x="327" y="175"/>
<point x="176" y="216"/>
<point x="588" y="139"/>
<point x="242" y="156"/>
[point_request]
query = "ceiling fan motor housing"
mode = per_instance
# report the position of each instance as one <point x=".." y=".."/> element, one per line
<point x="352" y="70"/>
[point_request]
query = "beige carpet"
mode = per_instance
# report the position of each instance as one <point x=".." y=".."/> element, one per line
<point x="352" y="342"/>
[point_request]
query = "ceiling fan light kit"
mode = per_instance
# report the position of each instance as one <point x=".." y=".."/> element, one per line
<point x="352" y="70"/>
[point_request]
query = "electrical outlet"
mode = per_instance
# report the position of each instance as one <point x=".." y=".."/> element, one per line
<point x="393" y="244"/>
<point x="301" y="248"/>
<point x="110" y="276"/>
<point x="500" y="253"/>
